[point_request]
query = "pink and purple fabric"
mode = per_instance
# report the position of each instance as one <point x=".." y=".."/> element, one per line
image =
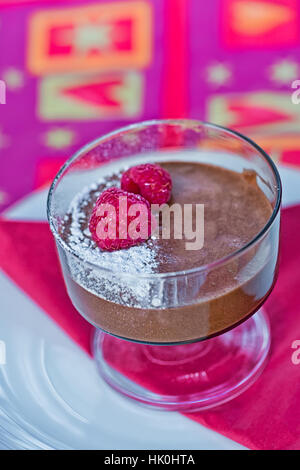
<point x="76" y="69"/>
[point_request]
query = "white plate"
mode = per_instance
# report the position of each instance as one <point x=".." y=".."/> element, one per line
<point x="50" y="392"/>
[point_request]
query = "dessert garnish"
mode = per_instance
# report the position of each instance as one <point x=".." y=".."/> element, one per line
<point x="120" y="219"/>
<point x="150" y="180"/>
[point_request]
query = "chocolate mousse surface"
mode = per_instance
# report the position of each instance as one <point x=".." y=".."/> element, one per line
<point x="111" y="289"/>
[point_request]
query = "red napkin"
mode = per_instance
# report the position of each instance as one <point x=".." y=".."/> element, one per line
<point x="28" y="256"/>
<point x="267" y="416"/>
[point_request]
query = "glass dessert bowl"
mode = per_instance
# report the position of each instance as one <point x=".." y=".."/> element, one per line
<point x="174" y="323"/>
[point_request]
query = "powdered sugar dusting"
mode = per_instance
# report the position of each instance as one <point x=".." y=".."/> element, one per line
<point x="103" y="275"/>
<point x="137" y="259"/>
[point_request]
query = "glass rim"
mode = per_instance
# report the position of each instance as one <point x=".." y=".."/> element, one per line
<point x="205" y="267"/>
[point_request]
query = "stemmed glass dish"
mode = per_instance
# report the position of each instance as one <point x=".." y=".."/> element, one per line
<point x="181" y="340"/>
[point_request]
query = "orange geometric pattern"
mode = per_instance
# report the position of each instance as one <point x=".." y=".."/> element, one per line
<point x="267" y="111"/>
<point x="283" y="149"/>
<point x="80" y="97"/>
<point x="260" y="23"/>
<point x="101" y="36"/>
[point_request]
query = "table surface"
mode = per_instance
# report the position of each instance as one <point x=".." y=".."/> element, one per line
<point x="51" y="395"/>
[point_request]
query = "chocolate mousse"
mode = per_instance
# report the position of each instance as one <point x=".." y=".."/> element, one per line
<point x="160" y="292"/>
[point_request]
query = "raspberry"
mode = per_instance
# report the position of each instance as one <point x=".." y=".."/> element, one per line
<point x="115" y="224"/>
<point x="128" y="184"/>
<point x="150" y="180"/>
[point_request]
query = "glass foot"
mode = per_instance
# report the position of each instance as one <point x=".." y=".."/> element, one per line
<point x="188" y="377"/>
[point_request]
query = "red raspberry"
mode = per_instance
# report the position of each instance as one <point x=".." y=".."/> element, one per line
<point x="150" y="180"/>
<point x="128" y="184"/>
<point x="112" y="222"/>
